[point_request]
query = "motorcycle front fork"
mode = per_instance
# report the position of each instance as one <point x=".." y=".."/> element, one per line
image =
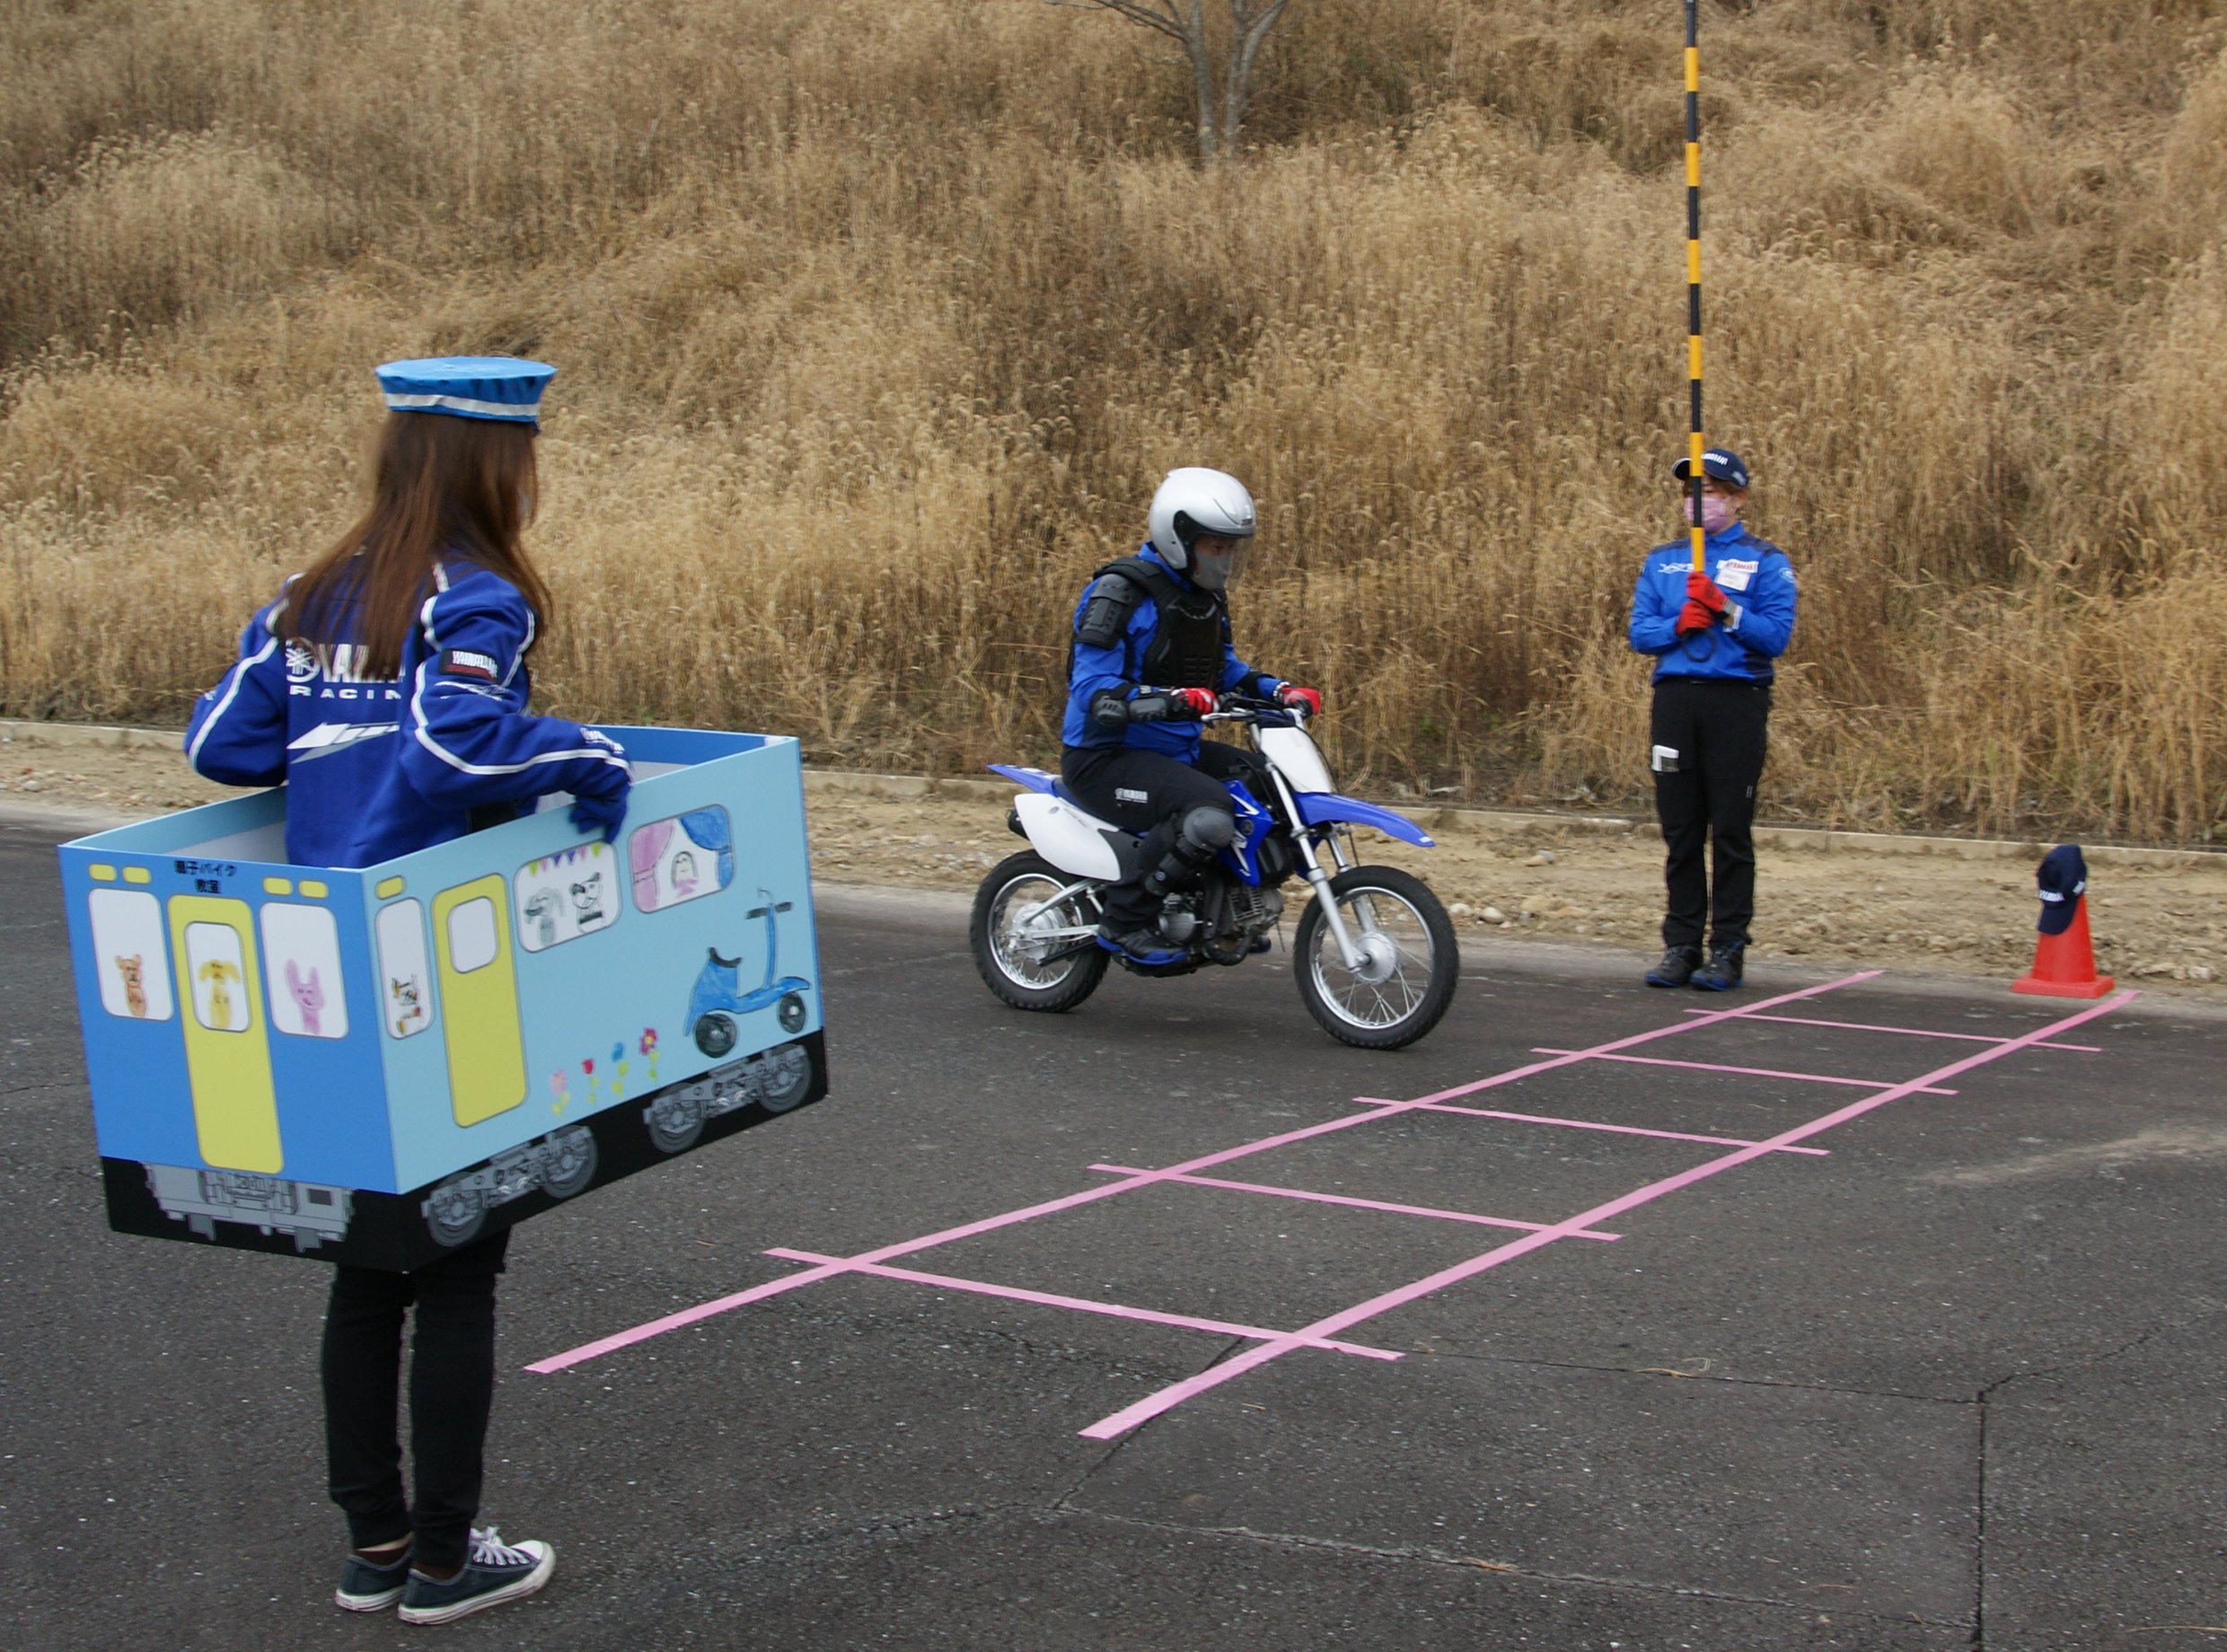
<point x="1319" y="879"/>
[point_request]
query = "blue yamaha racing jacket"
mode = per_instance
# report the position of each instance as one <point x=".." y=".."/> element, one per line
<point x="372" y="769"/>
<point x="1758" y="620"/>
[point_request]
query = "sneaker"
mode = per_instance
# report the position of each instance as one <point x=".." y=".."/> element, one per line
<point x="494" y="1572"/>
<point x="1676" y="967"/>
<point x="1140" y="946"/>
<point x="365" y="1587"/>
<point x="1722" y="972"/>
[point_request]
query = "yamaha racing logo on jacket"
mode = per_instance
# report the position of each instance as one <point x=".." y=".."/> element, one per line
<point x="1743" y="643"/>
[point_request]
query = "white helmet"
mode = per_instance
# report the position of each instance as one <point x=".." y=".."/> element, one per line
<point x="1194" y="501"/>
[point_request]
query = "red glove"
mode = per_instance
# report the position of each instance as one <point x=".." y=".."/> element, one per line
<point x="1291" y="694"/>
<point x="1193" y="702"/>
<point x="1700" y="588"/>
<point x="1692" y="618"/>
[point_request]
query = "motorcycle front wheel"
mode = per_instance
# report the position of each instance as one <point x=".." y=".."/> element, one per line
<point x="1410" y="961"/>
<point x="1019" y="953"/>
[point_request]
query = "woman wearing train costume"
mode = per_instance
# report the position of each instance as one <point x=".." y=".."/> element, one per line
<point x="387" y="688"/>
<point x="1151" y="655"/>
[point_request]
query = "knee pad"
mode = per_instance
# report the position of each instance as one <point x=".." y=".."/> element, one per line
<point x="1203" y="830"/>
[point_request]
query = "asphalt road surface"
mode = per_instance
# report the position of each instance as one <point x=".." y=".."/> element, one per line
<point x="1955" y="1381"/>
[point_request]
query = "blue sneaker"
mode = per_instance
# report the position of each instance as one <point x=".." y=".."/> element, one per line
<point x="494" y="1572"/>
<point x="365" y="1587"/>
<point x="1723" y="970"/>
<point x="1141" y="946"/>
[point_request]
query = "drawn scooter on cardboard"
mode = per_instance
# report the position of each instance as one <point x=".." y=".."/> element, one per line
<point x="716" y="1002"/>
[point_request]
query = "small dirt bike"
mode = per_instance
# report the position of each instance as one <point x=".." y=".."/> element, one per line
<point x="1374" y="950"/>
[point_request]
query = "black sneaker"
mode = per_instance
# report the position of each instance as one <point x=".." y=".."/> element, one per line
<point x="1722" y="972"/>
<point x="365" y="1587"/>
<point x="1141" y="945"/>
<point x="494" y="1572"/>
<point x="1676" y="967"/>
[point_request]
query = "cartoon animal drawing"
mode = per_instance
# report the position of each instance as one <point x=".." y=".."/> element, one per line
<point x="408" y="1004"/>
<point x="135" y="990"/>
<point x="543" y="910"/>
<point x="309" y="997"/>
<point x="216" y="973"/>
<point x="588" y="901"/>
<point x="683" y="875"/>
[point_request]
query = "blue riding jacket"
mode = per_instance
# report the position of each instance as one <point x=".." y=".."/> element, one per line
<point x="1758" y="619"/>
<point x="374" y="769"/>
<point x="1116" y="667"/>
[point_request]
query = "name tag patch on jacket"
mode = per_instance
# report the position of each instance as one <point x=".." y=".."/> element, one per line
<point x="1734" y="574"/>
<point x="462" y="662"/>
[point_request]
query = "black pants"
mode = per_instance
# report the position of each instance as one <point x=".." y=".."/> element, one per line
<point x="451" y="1387"/>
<point x="1148" y="794"/>
<point x="1719" y="729"/>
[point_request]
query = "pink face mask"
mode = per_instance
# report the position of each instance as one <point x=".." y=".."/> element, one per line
<point x="1716" y="512"/>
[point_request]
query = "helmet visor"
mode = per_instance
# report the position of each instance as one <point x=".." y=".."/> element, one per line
<point x="1218" y="563"/>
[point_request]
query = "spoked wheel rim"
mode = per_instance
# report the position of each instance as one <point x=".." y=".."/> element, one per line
<point x="1395" y="976"/>
<point x="1019" y="947"/>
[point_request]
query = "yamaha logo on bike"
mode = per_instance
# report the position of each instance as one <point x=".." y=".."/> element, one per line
<point x="1122" y="793"/>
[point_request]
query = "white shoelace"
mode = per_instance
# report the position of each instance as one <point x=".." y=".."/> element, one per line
<point x="488" y="1549"/>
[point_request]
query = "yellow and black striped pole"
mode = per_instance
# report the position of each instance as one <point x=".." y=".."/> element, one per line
<point x="1693" y="268"/>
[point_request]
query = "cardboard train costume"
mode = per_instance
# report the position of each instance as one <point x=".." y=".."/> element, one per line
<point x="435" y="1031"/>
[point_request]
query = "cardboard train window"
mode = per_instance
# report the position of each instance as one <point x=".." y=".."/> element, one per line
<point x="404" y="996"/>
<point x="132" y="954"/>
<point x="564" y="896"/>
<point x="302" y="970"/>
<point x="680" y="858"/>
<point x="216" y="974"/>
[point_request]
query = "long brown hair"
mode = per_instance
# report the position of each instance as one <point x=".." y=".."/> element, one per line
<point x="440" y="486"/>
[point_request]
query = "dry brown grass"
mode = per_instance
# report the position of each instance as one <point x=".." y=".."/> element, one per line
<point x="877" y="322"/>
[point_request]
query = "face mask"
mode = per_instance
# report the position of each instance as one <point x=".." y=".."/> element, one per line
<point x="1716" y="512"/>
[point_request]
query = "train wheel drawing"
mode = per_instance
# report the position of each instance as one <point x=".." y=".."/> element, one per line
<point x="675" y="1120"/>
<point x="791" y="1013"/>
<point x="567" y="1162"/>
<point x="715" y="1034"/>
<point x="453" y="1216"/>
<point x="783" y="1078"/>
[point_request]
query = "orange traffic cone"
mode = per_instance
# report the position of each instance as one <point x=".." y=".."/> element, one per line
<point x="2064" y="965"/>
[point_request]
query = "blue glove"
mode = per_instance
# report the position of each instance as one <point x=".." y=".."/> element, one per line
<point x="603" y="815"/>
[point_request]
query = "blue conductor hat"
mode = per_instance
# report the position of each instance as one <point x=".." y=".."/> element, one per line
<point x="498" y="387"/>
<point x="2063" y="878"/>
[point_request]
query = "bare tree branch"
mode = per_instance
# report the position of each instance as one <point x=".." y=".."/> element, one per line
<point x="1250" y="22"/>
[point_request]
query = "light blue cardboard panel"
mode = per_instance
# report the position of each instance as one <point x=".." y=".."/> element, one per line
<point x="543" y="976"/>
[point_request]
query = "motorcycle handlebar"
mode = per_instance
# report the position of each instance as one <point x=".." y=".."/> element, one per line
<point x="1245" y="709"/>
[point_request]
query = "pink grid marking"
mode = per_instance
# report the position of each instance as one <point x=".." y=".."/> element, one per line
<point x="1337" y="1199"/>
<point x="1082" y="1304"/>
<point x="773" y="1287"/>
<point x="1575" y="1124"/>
<point x="1261" y="1353"/>
<point x="1752" y="1072"/>
<point x="1865" y="1026"/>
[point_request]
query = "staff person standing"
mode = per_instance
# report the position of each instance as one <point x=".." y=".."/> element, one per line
<point x="1714" y="635"/>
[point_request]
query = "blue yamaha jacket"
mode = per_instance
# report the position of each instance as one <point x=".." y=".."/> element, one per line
<point x="374" y="770"/>
<point x="1116" y="668"/>
<point x="1758" y="586"/>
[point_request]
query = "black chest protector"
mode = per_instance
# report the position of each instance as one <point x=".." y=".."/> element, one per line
<point x="1190" y="627"/>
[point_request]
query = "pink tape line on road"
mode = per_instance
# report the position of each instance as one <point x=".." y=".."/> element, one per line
<point x="1751" y="1072"/>
<point x="1865" y="1026"/>
<point x="1175" y="1393"/>
<point x="774" y="1288"/>
<point x="1575" y="1124"/>
<point x="1336" y="1198"/>
<point x="1083" y="1305"/>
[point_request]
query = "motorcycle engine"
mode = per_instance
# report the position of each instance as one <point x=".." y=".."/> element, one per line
<point x="1254" y="911"/>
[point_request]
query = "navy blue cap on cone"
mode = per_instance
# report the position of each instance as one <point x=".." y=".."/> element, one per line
<point x="2064" y="879"/>
<point x="496" y="387"/>
<point x="1721" y="462"/>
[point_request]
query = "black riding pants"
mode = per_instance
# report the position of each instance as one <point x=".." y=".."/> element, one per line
<point x="1718" y="728"/>
<point x="452" y="1388"/>
<point x="1148" y="794"/>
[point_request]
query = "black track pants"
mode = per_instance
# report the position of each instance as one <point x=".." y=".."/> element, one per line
<point x="451" y="1387"/>
<point x="1719" y="729"/>
<point x="1148" y="794"/>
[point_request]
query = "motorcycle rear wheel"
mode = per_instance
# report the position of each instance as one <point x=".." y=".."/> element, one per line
<point x="1407" y="982"/>
<point x="1000" y="943"/>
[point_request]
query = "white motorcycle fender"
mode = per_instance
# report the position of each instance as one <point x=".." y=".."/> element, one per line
<point x="1067" y="837"/>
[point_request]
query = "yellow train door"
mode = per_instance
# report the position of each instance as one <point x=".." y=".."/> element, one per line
<point x="471" y="943"/>
<point x="235" y="1111"/>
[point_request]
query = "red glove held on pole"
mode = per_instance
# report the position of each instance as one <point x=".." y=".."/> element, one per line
<point x="1194" y="702"/>
<point x="1700" y="588"/>
<point x="1692" y="618"/>
<point x="1291" y="694"/>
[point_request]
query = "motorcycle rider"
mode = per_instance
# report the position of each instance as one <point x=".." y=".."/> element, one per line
<point x="1151" y="655"/>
